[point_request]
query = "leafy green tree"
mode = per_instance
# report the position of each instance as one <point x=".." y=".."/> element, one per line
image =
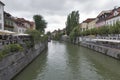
<point x="48" y="33"/>
<point x="94" y="31"/>
<point x="72" y="21"/>
<point x="115" y="29"/>
<point x="40" y="23"/>
<point x="103" y="30"/>
<point x="36" y="35"/>
<point x="75" y="33"/>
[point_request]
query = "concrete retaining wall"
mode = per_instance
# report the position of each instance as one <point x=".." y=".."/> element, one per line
<point x="13" y="63"/>
<point x="115" y="53"/>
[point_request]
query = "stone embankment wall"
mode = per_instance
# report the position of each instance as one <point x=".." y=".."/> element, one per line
<point x="13" y="63"/>
<point x="115" y="53"/>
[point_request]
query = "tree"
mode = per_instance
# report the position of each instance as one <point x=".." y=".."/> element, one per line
<point x="75" y="33"/>
<point x="72" y="21"/>
<point x="40" y="23"/>
<point x="36" y="35"/>
<point x="49" y="33"/>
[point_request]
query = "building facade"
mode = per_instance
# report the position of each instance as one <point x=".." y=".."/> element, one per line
<point x="114" y="17"/>
<point x="102" y="17"/>
<point x="92" y="23"/>
<point x="8" y="22"/>
<point x="19" y="26"/>
<point x="1" y="16"/>
<point x="87" y="24"/>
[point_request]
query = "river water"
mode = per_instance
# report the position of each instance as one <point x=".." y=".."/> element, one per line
<point x="65" y="61"/>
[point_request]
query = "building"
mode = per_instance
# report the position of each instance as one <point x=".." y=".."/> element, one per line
<point x="32" y="25"/>
<point x="54" y="33"/>
<point x="19" y="26"/>
<point x="85" y="24"/>
<point x="92" y="23"/>
<point x="102" y="17"/>
<point x="109" y="17"/>
<point x="2" y="15"/>
<point x="26" y="23"/>
<point x="8" y="22"/>
<point x="114" y="17"/>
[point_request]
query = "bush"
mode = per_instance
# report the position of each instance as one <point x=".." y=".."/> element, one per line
<point x="44" y="38"/>
<point x="10" y="48"/>
<point x="29" y="44"/>
<point x="36" y="35"/>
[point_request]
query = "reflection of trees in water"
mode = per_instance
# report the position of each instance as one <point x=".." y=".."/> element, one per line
<point x="37" y="67"/>
<point x="73" y="62"/>
<point x="105" y="66"/>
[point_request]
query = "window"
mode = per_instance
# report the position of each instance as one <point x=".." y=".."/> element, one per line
<point x="116" y="13"/>
<point x="19" y="30"/>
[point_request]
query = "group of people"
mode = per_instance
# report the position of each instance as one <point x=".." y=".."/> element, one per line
<point x="9" y="39"/>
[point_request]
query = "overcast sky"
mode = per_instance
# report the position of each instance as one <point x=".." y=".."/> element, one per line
<point x="55" y="11"/>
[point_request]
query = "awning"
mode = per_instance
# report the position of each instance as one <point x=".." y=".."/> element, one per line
<point x="106" y="40"/>
<point x="6" y="32"/>
<point x="21" y="34"/>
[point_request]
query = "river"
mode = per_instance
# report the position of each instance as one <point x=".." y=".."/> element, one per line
<point x="65" y="61"/>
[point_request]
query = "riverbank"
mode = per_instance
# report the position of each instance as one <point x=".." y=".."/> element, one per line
<point x="112" y="52"/>
<point x="13" y="63"/>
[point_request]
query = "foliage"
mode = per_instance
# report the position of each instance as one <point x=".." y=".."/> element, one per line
<point x="48" y="33"/>
<point x="29" y="44"/>
<point x="10" y="48"/>
<point x="115" y="29"/>
<point x="104" y="30"/>
<point x="72" y="21"/>
<point x="40" y="23"/>
<point x="44" y="38"/>
<point x="58" y="35"/>
<point x="93" y="31"/>
<point x="36" y="35"/>
<point x="75" y="33"/>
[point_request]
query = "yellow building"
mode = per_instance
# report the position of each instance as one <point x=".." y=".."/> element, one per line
<point x="90" y="22"/>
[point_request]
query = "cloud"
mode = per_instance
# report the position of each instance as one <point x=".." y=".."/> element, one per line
<point x="56" y="11"/>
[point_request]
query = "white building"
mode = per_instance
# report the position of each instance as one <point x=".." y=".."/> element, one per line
<point x="101" y="18"/>
<point x="114" y="17"/>
<point x="19" y="27"/>
<point x="109" y="17"/>
<point x="1" y="16"/>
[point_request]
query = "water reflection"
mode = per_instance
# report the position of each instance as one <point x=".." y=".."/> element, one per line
<point x="73" y="59"/>
<point x="105" y="66"/>
<point x="35" y="69"/>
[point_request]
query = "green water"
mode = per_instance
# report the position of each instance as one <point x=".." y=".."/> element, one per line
<point x="64" y="61"/>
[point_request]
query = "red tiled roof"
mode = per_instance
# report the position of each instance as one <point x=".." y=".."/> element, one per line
<point x="88" y="20"/>
<point x="103" y="12"/>
<point x="112" y="13"/>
